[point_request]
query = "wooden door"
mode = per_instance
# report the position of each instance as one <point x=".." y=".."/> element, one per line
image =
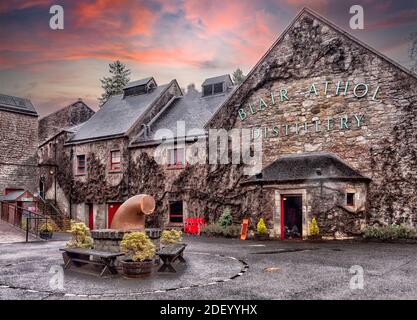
<point x="111" y="211"/>
<point x="90" y="216"/>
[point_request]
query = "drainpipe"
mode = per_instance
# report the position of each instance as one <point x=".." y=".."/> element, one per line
<point x="56" y="170"/>
<point x="70" y="195"/>
<point x="128" y="168"/>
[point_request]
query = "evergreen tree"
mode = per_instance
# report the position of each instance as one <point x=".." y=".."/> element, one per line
<point x="225" y="219"/>
<point x="114" y="84"/>
<point x="238" y="76"/>
<point x="314" y="228"/>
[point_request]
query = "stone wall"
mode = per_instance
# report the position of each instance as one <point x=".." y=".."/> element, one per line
<point x="18" y="151"/>
<point x="69" y="116"/>
<point x="383" y="148"/>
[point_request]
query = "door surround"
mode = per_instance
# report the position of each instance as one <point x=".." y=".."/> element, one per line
<point x="279" y="194"/>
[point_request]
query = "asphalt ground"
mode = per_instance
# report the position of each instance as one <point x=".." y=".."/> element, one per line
<point x="219" y="268"/>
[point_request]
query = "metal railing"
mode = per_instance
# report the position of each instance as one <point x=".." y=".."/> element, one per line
<point x="27" y="220"/>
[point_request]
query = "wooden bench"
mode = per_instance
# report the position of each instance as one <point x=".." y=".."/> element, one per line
<point x="79" y="257"/>
<point x="169" y="254"/>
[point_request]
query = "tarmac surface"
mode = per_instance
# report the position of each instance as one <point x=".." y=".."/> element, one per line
<point x="224" y="269"/>
<point x="9" y="233"/>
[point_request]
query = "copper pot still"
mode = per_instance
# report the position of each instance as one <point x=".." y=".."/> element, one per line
<point x="131" y="214"/>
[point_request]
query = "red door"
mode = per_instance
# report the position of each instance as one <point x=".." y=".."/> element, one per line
<point x="291" y="216"/>
<point x="90" y="217"/>
<point x="111" y="210"/>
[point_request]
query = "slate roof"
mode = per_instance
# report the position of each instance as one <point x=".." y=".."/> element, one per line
<point x="12" y="196"/>
<point x="136" y="83"/>
<point x="218" y="79"/>
<point x="305" y="166"/>
<point x="117" y="115"/>
<point x="72" y="129"/>
<point x="192" y="108"/>
<point x="18" y="105"/>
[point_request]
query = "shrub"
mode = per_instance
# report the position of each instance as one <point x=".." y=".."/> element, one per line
<point x="261" y="227"/>
<point x="171" y="236"/>
<point x="46" y="227"/>
<point x="138" y="246"/>
<point x="232" y="231"/>
<point x="226" y="219"/>
<point x="390" y="232"/>
<point x="314" y="228"/>
<point x="215" y="230"/>
<point x="80" y="236"/>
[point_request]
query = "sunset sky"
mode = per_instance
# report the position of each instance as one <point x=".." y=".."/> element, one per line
<point x="188" y="40"/>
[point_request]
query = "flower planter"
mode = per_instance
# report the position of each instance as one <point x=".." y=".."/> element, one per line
<point x="315" y="238"/>
<point x="261" y="237"/>
<point x="46" y="235"/>
<point x="137" y="269"/>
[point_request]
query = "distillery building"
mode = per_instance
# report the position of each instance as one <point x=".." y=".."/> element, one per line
<point x="336" y="118"/>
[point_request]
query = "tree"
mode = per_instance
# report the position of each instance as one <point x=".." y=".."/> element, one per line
<point x="114" y="84"/>
<point x="238" y="76"/>
<point x="225" y="219"/>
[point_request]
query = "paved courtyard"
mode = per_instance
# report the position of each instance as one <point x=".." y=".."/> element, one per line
<point x="10" y="234"/>
<point x="225" y="269"/>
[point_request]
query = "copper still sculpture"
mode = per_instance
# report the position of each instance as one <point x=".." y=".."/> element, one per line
<point x="131" y="214"/>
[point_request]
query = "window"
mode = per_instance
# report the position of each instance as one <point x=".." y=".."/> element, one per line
<point x="218" y="88"/>
<point x="176" y="212"/>
<point x="350" y="199"/>
<point x="176" y="157"/>
<point x="211" y="89"/>
<point x="115" y="160"/>
<point x="207" y="90"/>
<point x="81" y="165"/>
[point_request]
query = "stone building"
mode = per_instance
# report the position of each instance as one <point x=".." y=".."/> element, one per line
<point x="336" y="118"/>
<point x="72" y="115"/>
<point x="18" y="144"/>
<point x="54" y="130"/>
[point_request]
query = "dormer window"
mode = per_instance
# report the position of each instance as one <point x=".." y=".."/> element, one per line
<point x="211" y="89"/>
<point x="216" y="85"/>
<point x="139" y="87"/>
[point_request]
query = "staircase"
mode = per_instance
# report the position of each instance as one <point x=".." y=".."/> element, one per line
<point x="50" y="209"/>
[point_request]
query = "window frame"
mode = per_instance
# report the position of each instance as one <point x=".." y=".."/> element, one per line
<point x="219" y="84"/>
<point x="352" y="203"/>
<point x="112" y="163"/>
<point x="79" y="166"/>
<point x="176" y="215"/>
<point x="176" y="163"/>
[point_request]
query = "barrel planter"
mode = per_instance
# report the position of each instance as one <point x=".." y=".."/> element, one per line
<point x="137" y="269"/>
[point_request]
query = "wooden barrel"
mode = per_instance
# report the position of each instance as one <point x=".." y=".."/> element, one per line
<point x="137" y="269"/>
